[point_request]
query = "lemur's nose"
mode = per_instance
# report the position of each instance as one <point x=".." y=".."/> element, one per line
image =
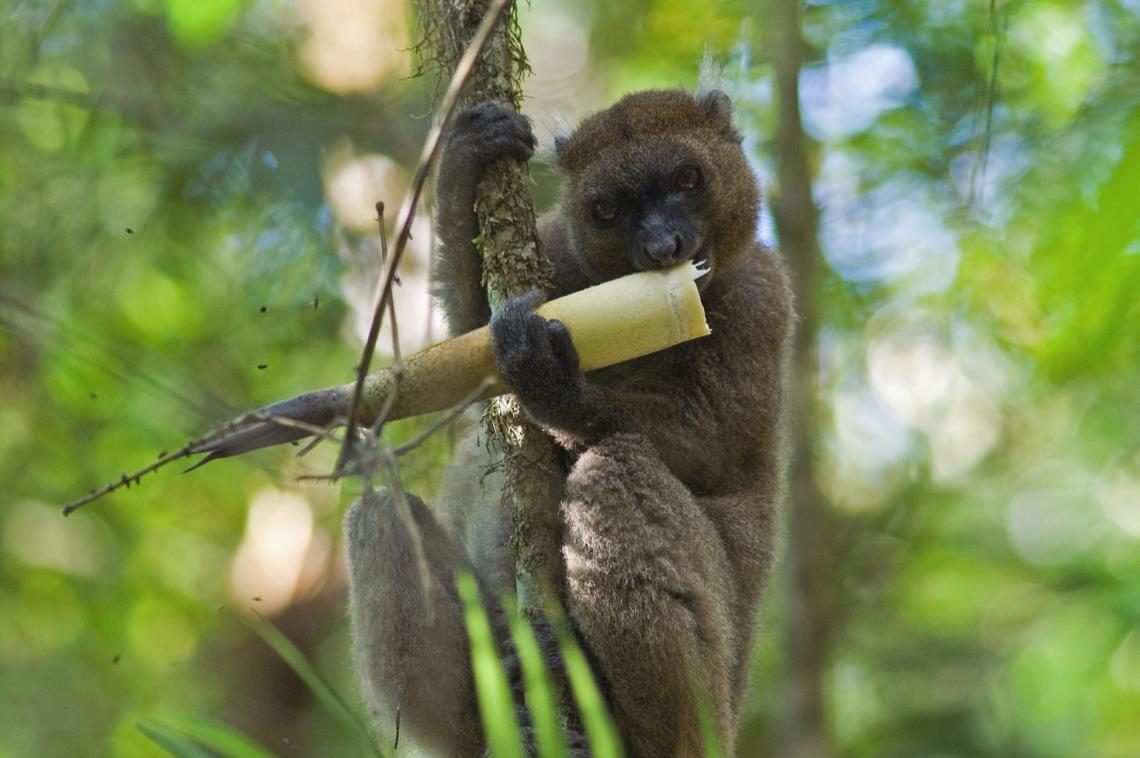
<point x="662" y="248"/>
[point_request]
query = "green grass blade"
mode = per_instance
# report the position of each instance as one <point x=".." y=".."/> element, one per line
<point x="540" y="701"/>
<point x="220" y="738"/>
<point x="495" y="703"/>
<point x="604" y="739"/>
<point x="169" y="740"/>
<point x="332" y="702"/>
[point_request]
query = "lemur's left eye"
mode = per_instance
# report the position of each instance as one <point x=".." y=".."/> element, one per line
<point x="605" y="210"/>
<point x="687" y="178"/>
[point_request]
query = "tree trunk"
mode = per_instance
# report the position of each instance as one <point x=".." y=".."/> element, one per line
<point x="804" y="724"/>
<point x="512" y="265"/>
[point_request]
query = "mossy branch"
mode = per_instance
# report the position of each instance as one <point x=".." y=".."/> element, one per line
<point x="513" y="265"/>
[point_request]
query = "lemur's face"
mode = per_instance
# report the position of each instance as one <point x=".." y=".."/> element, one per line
<point x="642" y="206"/>
<point x="658" y="179"/>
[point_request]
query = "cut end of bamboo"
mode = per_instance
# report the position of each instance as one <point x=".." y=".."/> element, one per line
<point x="685" y="301"/>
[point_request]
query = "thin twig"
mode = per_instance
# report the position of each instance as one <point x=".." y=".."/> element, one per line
<point x="396" y="742"/>
<point x="444" y="419"/>
<point x="407" y="210"/>
<point x="191" y="447"/>
<point x="373" y="441"/>
<point x="978" y="175"/>
<point x="124" y="481"/>
<point x="326" y="434"/>
<point x="391" y="299"/>
<point x="320" y="432"/>
<point x="404" y="513"/>
<point x="397" y="369"/>
<point x="389" y="399"/>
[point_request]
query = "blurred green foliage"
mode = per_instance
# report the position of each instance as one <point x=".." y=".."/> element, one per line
<point x="169" y="224"/>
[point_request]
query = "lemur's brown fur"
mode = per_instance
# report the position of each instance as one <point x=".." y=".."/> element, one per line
<point x="672" y="462"/>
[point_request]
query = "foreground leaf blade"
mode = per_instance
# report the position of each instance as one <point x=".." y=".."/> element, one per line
<point x="496" y="706"/>
<point x="169" y="740"/>
<point x="540" y="701"/>
<point x="220" y="738"/>
<point x="332" y="702"/>
<point x="604" y="739"/>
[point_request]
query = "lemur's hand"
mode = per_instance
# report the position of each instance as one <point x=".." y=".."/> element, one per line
<point x="537" y="359"/>
<point x="535" y="356"/>
<point x="488" y="132"/>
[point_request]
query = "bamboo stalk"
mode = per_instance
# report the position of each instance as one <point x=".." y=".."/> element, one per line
<point x="609" y="323"/>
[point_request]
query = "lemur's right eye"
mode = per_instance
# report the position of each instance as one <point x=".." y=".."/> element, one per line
<point x="687" y="178"/>
<point x="605" y="210"/>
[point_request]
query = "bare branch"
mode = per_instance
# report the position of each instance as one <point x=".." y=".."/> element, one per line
<point x="124" y="482"/>
<point x="978" y="173"/>
<point x="404" y="511"/>
<point x="390" y="400"/>
<point x="391" y="300"/>
<point x="196" y="446"/>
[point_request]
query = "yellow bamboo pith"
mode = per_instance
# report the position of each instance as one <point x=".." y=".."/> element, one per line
<point x="609" y="323"/>
<point x="632" y="316"/>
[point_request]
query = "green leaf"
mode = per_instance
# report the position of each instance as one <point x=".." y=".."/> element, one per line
<point x="332" y="702"/>
<point x="220" y="738"/>
<point x="604" y="739"/>
<point x="172" y="742"/>
<point x="199" y="23"/>
<point x="495" y="703"/>
<point x="540" y="701"/>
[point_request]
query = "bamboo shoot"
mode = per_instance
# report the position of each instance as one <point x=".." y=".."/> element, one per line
<point x="609" y="323"/>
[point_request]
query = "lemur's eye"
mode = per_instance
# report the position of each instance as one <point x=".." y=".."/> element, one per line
<point x="687" y="178"/>
<point x="605" y="210"/>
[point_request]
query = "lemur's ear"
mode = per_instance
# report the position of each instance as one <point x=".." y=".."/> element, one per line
<point x="718" y="107"/>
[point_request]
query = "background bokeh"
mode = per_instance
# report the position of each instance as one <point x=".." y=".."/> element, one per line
<point x="187" y="231"/>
